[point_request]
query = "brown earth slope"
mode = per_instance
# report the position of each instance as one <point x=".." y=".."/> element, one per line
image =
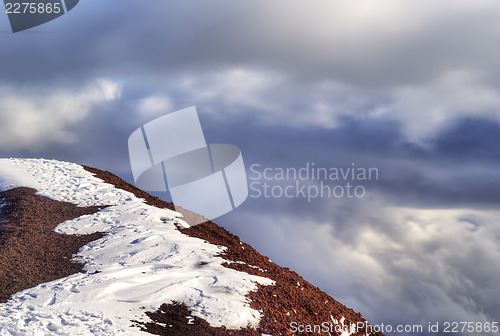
<point x="31" y="253"/>
<point x="292" y="299"/>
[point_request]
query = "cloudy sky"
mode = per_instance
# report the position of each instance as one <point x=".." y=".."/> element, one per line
<point x="411" y="89"/>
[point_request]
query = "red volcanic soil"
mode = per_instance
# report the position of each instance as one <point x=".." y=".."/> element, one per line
<point x="31" y="253"/>
<point x="292" y="299"/>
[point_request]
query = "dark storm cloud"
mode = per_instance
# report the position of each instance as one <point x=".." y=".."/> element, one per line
<point x="457" y="168"/>
<point x="470" y="140"/>
<point x="318" y="40"/>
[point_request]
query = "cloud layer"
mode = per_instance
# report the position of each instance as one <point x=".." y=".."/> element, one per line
<point x="411" y="89"/>
<point x="40" y="116"/>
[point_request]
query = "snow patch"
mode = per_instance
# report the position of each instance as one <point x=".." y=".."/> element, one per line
<point x="142" y="262"/>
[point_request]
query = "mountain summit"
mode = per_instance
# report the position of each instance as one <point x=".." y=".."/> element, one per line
<point x="83" y="252"/>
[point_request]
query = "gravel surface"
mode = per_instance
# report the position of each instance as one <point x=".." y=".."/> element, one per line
<point x="292" y="299"/>
<point x="31" y="253"/>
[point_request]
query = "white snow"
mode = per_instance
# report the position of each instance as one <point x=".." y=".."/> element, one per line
<point x="142" y="262"/>
<point x="346" y="329"/>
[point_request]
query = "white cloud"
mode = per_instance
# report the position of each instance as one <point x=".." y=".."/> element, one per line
<point x="426" y="109"/>
<point x="236" y="88"/>
<point x="276" y="98"/>
<point x="37" y="117"/>
<point x="308" y="63"/>
<point x="361" y="42"/>
<point x="154" y="105"/>
<point x="303" y="63"/>
<point x="395" y="265"/>
<point x="271" y="97"/>
<point x="110" y="90"/>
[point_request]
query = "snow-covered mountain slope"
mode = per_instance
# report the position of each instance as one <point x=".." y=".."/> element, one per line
<point x="150" y="257"/>
<point x="143" y="261"/>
